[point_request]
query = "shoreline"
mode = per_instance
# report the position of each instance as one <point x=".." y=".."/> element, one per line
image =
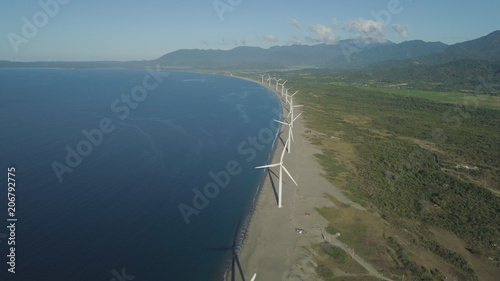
<point x="271" y="247"/>
<point x="250" y="216"/>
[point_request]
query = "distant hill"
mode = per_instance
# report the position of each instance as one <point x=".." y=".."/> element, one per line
<point x="346" y="54"/>
<point x="459" y="67"/>
<point x="255" y="57"/>
<point x="302" y="55"/>
<point x="484" y="48"/>
<point x="401" y="51"/>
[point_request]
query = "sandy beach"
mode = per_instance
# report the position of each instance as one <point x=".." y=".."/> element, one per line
<point x="272" y="248"/>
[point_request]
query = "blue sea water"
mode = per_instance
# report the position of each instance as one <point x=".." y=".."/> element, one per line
<point x="117" y="209"/>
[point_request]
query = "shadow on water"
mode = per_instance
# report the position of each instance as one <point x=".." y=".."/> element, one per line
<point x="234" y="254"/>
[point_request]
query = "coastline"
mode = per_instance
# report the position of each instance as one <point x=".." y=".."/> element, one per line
<point x="271" y="247"/>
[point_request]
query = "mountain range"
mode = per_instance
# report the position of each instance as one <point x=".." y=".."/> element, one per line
<point x="345" y="54"/>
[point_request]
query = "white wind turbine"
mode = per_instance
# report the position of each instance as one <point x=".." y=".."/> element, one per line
<point x="280" y="189"/>
<point x="283" y="87"/>
<point x="262" y="75"/>
<point x="277" y="83"/>
<point x="290" y="96"/>
<point x="290" y="112"/>
<point x="290" y="131"/>
<point x="269" y="79"/>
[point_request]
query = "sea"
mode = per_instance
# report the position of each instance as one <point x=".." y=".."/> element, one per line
<point x="129" y="174"/>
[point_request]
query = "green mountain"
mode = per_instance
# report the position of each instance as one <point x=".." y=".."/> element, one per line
<point x="401" y="51"/>
<point x="346" y="54"/>
<point x="259" y="58"/>
<point x="483" y="48"/>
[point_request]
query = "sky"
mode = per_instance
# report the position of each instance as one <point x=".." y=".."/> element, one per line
<point x="92" y="30"/>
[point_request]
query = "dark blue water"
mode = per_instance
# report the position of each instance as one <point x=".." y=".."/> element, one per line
<point x="117" y="208"/>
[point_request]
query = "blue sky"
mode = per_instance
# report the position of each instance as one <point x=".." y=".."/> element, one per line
<point x="146" y="29"/>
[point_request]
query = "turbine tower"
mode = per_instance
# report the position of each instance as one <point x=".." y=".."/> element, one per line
<point x="280" y="190"/>
<point x="290" y="131"/>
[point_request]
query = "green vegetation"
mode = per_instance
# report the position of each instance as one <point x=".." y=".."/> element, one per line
<point x="403" y="164"/>
<point x="333" y="261"/>
<point x="398" y="253"/>
<point x="485" y="101"/>
<point x="324" y="272"/>
<point x="338" y="255"/>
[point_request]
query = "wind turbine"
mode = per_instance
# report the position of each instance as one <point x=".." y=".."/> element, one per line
<point x="281" y="173"/>
<point x="283" y="91"/>
<point x="262" y="75"/>
<point x="290" y="112"/>
<point x="290" y="131"/>
<point x="277" y="83"/>
<point x="283" y="87"/>
<point x="269" y="79"/>
<point x="289" y="96"/>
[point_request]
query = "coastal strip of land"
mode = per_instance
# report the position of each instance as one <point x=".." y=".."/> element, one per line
<point x="272" y="247"/>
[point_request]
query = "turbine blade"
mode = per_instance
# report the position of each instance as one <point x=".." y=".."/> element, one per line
<point x="296" y="117"/>
<point x="267" y="166"/>
<point x="282" y="122"/>
<point x="284" y="150"/>
<point x="289" y="175"/>
<point x="254" y="276"/>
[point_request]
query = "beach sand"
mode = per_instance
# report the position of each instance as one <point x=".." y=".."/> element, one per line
<point x="272" y="248"/>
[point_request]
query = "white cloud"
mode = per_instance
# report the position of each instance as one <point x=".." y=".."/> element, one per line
<point x="325" y="34"/>
<point x="271" y="38"/>
<point x="295" y="40"/>
<point x="401" y="30"/>
<point x="367" y="28"/>
<point x="295" y="23"/>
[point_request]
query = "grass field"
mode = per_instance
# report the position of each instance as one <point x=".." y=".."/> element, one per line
<point x="485" y="101"/>
<point x="397" y="155"/>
